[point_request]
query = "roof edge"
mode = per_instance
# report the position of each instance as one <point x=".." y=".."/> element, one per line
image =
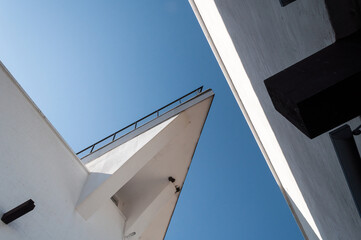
<point x="32" y="103"/>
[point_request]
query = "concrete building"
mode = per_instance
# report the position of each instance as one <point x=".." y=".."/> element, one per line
<point x="294" y="68"/>
<point x="125" y="186"/>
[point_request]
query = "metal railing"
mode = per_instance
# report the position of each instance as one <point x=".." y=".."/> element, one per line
<point x="131" y="127"/>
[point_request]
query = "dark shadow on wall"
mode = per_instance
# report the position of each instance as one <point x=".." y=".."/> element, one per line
<point x="345" y="16"/>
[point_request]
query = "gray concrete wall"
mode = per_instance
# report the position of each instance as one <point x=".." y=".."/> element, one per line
<point x="36" y="163"/>
<point x="252" y="40"/>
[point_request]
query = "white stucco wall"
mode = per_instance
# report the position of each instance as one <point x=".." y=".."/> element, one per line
<point x="253" y="40"/>
<point x="36" y="163"/>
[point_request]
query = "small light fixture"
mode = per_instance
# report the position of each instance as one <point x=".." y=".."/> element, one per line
<point x="18" y="211"/>
<point x="171" y="179"/>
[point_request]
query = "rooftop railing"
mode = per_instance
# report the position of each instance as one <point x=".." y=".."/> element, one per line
<point x="131" y="127"/>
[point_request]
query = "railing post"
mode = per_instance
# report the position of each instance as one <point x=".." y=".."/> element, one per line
<point x="92" y="148"/>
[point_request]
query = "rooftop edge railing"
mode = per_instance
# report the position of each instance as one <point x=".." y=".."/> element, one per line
<point x="131" y="127"/>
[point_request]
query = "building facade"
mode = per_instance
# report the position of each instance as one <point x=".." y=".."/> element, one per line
<point x="125" y="186"/>
<point x="294" y="69"/>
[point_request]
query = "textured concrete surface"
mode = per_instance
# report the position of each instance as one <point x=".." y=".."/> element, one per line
<point x="253" y="40"/>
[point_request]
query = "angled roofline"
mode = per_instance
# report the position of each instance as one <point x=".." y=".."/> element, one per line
<point x="53" y="129"/>
<point x="165" y="116"/>
<point x="135" y="124"/>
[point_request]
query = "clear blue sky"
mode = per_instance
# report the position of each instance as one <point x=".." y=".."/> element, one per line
<point x="93" y="67"/>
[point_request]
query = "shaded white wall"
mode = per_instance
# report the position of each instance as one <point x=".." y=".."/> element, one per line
<point x="253" y="40"/>
<point x="36" y="163"/>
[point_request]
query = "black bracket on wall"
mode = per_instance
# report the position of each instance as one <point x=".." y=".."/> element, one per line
<point x="18" y="211"/>
<point x="357" y="131"/>
<point x="286" y="2"/>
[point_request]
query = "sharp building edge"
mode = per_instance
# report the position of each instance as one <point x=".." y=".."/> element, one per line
<point x="294" y="69"/>
<point x="127" y="189"/>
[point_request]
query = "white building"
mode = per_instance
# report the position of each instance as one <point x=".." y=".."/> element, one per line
<point x="294" y="68"/>
<point x="124" y="187"/>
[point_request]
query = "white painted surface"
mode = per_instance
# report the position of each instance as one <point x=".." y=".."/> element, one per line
<point x="36" y="163"/>
<point x="164" y="117"/>
<point x="139" y="223"/>
<point x="173" y="160"/>
<point x="135" y="172"/>
<point x="114" y="169"/>
<point x="253" y="40"/>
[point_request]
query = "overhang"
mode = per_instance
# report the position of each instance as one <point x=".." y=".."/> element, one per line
<point x="321" y="91"/>
<point x="144" y="171"/>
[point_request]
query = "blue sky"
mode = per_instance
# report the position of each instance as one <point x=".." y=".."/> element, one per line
<point x="93" y="67"/>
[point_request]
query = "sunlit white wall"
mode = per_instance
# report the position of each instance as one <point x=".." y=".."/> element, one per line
<point x="253" y="40"/>
<point x="36" y="163"/>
